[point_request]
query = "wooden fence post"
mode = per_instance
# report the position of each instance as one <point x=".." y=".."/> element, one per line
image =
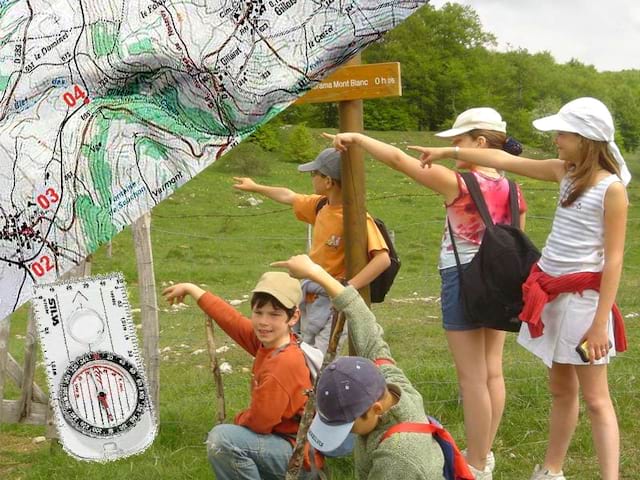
<point x="5" y="328"/>
<point x="149" y="306"/>
<point x="30" y="353"/>
<point x="215" y="368"/>
<point x="295" y="467"/>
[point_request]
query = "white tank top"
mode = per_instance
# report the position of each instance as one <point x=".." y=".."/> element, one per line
<point x="576" y="241"/>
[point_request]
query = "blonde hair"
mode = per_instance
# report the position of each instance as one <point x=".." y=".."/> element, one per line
<point x="595" y="156"/>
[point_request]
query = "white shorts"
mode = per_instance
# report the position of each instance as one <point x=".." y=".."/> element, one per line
<point x="565" y="319"/>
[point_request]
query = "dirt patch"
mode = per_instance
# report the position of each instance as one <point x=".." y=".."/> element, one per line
<point x="12" y="448"/>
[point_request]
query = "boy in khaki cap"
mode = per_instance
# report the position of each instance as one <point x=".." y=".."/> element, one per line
<point x="260" y="443"/>
<point x="327" y="243"/>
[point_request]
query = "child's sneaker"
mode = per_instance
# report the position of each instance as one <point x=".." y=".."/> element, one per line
<point x="481" y="474"/>
<point x="490" y="462"/>
<point x="540" y="474"/>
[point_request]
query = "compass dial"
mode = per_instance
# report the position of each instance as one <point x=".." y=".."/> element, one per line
<point x="102" y="394"/>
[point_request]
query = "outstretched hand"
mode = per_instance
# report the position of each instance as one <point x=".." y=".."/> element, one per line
<point x="176" y="293"/>
<point x="244" y="183"/>
<point x="341" y="141"/>
<point x="428" y="155"/>
<point x="299" y="266"/>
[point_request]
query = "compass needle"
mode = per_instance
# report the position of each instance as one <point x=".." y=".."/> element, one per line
<point x="103" y="401"/>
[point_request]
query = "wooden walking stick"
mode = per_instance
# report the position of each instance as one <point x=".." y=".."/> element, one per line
<point x="295" y="462"/>
<point x="215" y="368"/>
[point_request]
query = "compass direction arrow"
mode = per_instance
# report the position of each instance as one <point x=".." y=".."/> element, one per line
<point x="79" y="293"/>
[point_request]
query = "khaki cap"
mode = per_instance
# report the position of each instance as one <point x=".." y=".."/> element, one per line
<point x="281" y="286"/>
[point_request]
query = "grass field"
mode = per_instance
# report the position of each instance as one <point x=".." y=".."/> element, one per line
<point x="208" y="234"/>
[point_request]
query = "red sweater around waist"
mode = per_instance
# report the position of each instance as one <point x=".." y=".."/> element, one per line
<point x="542" y="288"/>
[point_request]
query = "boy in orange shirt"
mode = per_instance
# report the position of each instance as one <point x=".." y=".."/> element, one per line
<point x="260" y="442"/>
<point x="327" y="245"/>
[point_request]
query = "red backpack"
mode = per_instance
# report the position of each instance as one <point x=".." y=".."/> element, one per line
<point x="455" y="465"/>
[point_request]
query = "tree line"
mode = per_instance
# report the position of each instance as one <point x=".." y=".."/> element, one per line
<point x="448" y="65"/>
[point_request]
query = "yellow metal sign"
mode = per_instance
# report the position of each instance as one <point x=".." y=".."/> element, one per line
<point x="355" y="82"/>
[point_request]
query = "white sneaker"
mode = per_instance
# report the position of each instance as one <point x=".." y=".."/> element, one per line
<point x="540" y="474"/>
<point x="490" y="462"/>
<point x="481" y="474"/>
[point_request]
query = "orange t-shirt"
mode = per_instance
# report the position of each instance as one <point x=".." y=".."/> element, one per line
<point x="327" y="245"/>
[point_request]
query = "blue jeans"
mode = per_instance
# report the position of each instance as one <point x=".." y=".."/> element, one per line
<point x="315" y="317"/>
<point x="237" y="453"/>
<point x="452" y="310"/>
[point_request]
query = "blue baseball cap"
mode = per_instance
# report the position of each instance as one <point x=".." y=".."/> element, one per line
<point x="346" y="389"/>
<point x="328" y="162"/>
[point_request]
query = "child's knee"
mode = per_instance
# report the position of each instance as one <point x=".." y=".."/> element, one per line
<point x="219" y="441"/>
<point x="598" y="403"/>
<point x="568" y="392"/>
<point x="564" y="386"/>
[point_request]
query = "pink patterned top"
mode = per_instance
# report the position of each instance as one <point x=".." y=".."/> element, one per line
<point x="467" y="225"/>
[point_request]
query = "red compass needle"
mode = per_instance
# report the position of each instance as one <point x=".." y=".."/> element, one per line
<point x="102" y="397"/>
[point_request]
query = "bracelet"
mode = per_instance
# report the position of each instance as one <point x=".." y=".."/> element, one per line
<point x="456" y="150"/>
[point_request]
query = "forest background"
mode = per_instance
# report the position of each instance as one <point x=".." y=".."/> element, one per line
<point x="449" y="64"/>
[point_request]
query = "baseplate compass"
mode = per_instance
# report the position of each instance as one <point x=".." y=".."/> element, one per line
<point x="96" y="377"/>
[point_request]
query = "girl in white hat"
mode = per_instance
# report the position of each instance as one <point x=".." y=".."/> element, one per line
<point x="572" y="322"/>
<point x="477" y="351"/>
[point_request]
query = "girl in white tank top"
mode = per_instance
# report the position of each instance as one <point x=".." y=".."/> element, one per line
<point x="587" y="242"/>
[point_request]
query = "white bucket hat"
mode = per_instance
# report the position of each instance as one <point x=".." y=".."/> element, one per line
<point x="481" y="118"/>
<point x="591" y="119"/>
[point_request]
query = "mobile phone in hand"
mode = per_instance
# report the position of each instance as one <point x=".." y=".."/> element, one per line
<point x="583" y="350"/>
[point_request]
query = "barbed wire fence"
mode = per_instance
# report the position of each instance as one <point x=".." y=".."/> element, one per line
<point x="426" y="359"/>
<point x="417" y="341"/>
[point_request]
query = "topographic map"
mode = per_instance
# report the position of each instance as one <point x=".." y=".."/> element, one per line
<point x="107" y="107"/>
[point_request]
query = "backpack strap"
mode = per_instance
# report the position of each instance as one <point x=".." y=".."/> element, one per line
<point x="477" y="197"/>
<point x="513" y="204"/>
<point x="321" y="203"/>
<point x="455" y="251"/>
<point x="383" y="361"/>
<point x="455" y="465"/>
<point x="409" y="427"/>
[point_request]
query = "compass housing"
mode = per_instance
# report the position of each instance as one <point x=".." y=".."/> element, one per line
<point x="102" y="394"/>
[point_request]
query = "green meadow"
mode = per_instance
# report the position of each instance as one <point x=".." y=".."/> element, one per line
<point x="212" y="235"/>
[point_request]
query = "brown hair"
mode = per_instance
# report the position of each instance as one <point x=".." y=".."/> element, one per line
<point x="595" y="156"/>
<point x="494" y="139"/>
<point x="260" y="299"/>
<point x="497" y="140"/>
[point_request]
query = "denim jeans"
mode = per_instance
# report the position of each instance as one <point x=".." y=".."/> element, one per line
<point x="315" y="318"/>
<point x="237" y="453"/>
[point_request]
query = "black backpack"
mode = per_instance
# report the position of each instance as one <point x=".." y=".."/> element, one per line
<point x="491" y="284"/>
<point x="380" y="285"/>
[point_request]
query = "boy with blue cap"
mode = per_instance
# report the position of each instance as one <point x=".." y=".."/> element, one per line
<point x="371" y="397"/>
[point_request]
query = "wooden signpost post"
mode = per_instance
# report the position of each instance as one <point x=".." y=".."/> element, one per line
<point x="348" y="86"/>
